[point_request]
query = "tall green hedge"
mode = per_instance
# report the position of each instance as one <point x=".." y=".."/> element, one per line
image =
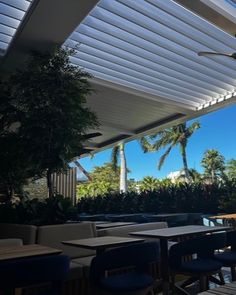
<point x="182" y="197"/>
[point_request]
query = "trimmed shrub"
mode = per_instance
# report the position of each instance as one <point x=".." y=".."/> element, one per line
<point x="181" y="197"/>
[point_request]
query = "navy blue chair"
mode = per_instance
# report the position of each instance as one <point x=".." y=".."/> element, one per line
<point x="195" y="258"/>
<point x="26" y="272"/>
<point x="228" y="258"/>
<point x="134" y="258"/>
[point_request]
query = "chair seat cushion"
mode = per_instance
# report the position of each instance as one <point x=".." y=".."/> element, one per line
<point x="227" y="258"/>
<point x="126" y="282"/>
<point x="200" y="266"/>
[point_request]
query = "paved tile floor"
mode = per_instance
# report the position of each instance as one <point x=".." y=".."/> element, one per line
<point x="194" y="288"/>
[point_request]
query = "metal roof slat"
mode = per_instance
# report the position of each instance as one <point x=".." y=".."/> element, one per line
<point x="153" y="103"/>
<point x="140" y="75"/>
<point x="195" y="21"/>
<point x="150" y="50"/>
<point x="5" y="38"/>
<point x="3" y="45"/>
<point x="152" y="30"/>
<point x="6" y="30"/>
<point x="19" y="4"/>
<point x="114" y="41"/>
<point x="8" y="21"/>
<point x="137" y="82"/>
<point x="143" y="91"/>
<point x="106" y="48"/>
<point x="200" y="41"/>
<point x="135" y="40"/>
<point x="11" y="12"/>
<point x="143" y="69"/>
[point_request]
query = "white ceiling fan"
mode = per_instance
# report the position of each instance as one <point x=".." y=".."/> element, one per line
<point x="206" y="53"/>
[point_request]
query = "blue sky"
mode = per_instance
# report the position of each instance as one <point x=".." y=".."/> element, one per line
<point x="217" y="132"/>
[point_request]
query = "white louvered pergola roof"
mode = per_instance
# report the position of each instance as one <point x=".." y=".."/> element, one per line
<point x="143" y="58"/>
<point x="12" y="13"/>
<point x="152" y="46"/>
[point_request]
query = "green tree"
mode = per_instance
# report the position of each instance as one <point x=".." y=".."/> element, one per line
<point x="119" y="152"/>
<point x="231" y="168"/>
<point x="133" y="185"/>
<point x="44" y="105"/>
<point x="149" y="183"/>
<point x="104" y="180"/>
<point x="214" y="165"/>
<point x="16" y="165"/>
<point x="170" y="137"/>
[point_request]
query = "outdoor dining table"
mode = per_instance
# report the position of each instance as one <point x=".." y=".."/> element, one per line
<point x="166" y="234"/>
<point x="112" y="224"/>
<point x="100" y="244"/>
<point x="26" y="251"/>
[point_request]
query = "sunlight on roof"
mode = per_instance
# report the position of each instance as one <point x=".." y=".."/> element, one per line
<point x="12" y="13"/>
<point x="151" y="46"/>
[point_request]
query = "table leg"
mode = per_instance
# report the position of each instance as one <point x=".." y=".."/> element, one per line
<point x="164" y="266"/>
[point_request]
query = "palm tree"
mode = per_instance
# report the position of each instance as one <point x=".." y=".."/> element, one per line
<point x="231" y="168"/>
<point x="149" y="183"/>
<point x="170" y="137"/>
<point x="119" y="151"/>
<point x="214" y="164"/>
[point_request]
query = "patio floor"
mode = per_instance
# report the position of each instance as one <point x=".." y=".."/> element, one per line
<point x="194" y="288"/>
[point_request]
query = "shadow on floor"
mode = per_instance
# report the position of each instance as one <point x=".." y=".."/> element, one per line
<point x="194" y="288"/>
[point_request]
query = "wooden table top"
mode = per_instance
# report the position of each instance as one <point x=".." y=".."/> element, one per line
<point x="15" y="252"/>
<point x="178" y="231"/>
<point x="102" y="242"/>
<point x="225" y="216"/>
<point x="227" y="289"/>
<point x="113" y="224"/>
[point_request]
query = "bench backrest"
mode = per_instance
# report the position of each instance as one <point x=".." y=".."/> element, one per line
<point x="53" y="235"/>
<point x="25" y="232"/>
<point x="123" y="231"/>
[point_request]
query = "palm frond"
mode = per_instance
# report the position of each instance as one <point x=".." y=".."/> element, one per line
<point x="145" y="144"/>
<point x="165" y="139"/>
<point x="156" y="135"/>
<point x="193" y="127"/>
<point x="163" y="157"/>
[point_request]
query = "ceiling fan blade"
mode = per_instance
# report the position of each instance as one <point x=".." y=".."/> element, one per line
<point x="91" y="135"/>
<point x="204" y="53"/>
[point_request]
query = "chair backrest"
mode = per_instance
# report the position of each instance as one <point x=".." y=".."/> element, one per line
<point x="203" y="246"/>
<point x="31" y="271"/>
<point x="138" y="256"/>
